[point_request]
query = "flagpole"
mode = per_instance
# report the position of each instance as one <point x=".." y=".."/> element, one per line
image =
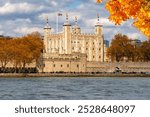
<point x="57" y="22"/>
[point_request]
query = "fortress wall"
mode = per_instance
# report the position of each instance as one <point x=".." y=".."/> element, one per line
<point x="123" y="66"/>
<point x="81" y="65"/>
<point x="64" y="66"/>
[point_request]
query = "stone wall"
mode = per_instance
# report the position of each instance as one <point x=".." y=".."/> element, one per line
<point x="123" y="66"/>
<point x="65" y="63"/>
<point x="64" y="66"/>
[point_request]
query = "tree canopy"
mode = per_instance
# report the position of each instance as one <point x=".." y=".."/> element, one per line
<point x="138" y="10"/>
<point x="124" y="49"/>
<point x="120" y="48"/>
<point x="21" y="51"/>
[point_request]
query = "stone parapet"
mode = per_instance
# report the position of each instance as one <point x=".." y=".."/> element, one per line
<point x="120" y="66"/>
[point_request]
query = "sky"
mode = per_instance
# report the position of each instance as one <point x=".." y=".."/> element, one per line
<point x="20" y="17"/>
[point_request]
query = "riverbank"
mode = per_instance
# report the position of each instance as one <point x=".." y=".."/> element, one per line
<point x="8" y="75"/>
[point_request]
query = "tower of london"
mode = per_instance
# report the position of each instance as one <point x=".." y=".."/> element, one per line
<point x="71" y="50"/>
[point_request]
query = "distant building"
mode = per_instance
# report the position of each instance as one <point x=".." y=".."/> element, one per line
<point x="106" y="42"/>
<point x="136" y="42"/>
<point x="6" y="37"/>
<point x="1" y="36"/>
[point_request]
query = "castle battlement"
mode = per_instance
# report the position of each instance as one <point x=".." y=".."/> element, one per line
<point x="71" y="49"/>
<point x="72" y="40"/>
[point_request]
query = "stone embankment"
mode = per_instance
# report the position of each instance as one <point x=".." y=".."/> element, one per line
<point x="82" y="75"/>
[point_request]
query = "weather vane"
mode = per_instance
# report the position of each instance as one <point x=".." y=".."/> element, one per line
<point x="67" y="17"/>
<point x="76" y="19"/>
<point x="98" y="17"/>
<point x="47" y="19"/>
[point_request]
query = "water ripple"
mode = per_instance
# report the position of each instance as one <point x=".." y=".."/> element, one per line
<point x="74" y="88"/>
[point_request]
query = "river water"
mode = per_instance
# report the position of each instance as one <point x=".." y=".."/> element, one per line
<point x="74" y="88"/>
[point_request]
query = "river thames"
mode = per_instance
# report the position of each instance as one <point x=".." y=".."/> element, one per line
<point x="105" y="88"/>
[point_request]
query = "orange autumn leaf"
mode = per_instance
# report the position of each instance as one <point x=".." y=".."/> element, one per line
<point x="98" y="1"/>
<point x="138" y="10"/>
<point x="143" y="22"/>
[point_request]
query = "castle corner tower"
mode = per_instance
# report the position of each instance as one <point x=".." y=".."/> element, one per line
<point x="100" y="39"/>
<point x="47" y="32"/>
<point x="76" y="29"/>
<point x="98" y="26"/>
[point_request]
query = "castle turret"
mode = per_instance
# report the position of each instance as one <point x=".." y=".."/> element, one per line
<point x="98" y="27"/>
<point x="47" y="32"/>
<point x="100" y="39"/>
<point x="76" y="29"/>
<point x="67" y="36"/>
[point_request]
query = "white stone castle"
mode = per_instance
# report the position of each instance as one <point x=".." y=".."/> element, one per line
<point x="71" y="50"/>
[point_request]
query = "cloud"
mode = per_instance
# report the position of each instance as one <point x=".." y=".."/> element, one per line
<point x="54" y="3"/>
<point x="53" y="17"/>
<point x="20" y="21"/>
<point x="1" y="32"/>
<point x="106" y="22"/>
<point x="9" y="8"/>
<point x="107" y="30"/>
<point x="134" y="35"/>
<point x="81" y="6"/>
<point x="25" y="16"/>
<point x="103" y="21"/>
<point x="26" y="30"/>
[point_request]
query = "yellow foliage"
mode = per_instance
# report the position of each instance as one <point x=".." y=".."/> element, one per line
<point x="21" y="51"/>
<point x="143" y="22"/>
<point x="98" y="1"/>
<point x="138" y="10"/>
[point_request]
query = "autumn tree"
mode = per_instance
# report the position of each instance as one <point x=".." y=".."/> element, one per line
<point x="35" y="44"/>
<point x="138" y="10"/>
<point x="21" y="51"/>
<point x="145" y="51"/>
<point x="5" y="52"/>
<point x="120" y="48"/>
<point x="137" y="56"/>
<point x="27" y="49"/>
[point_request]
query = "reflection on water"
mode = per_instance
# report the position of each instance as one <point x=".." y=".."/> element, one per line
<point x="74" y="88"/>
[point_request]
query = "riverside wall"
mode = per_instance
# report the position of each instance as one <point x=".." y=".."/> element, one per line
<point x="81" y="66"/>
<point x="123" y="66"/>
